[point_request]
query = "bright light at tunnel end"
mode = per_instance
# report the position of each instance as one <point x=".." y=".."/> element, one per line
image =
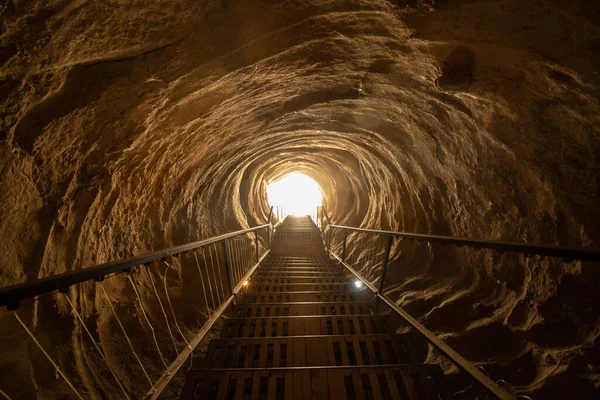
<point x="297" y="193"/>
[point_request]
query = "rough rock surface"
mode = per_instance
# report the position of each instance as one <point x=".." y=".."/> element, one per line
<point x="132" y="125"/>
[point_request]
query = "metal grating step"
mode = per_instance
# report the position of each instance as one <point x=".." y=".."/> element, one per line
<point x="299" y="309"/>
<point x="287" y="272"/>
<point x="324" y="259"/>
<point x="301" y="260"/>
<point x="291" y="260"/>
<point x="276" y="280"/>
<point x="311" y="351"/>
<point x="299" y="235"/>
<point x="304" y="325"/>
<point x="299" y="287"/>
<point x="321" y="258"/>
<point x="298" y="267"/>
<point x="396" y="382"/>
<point x="256" y="297"/>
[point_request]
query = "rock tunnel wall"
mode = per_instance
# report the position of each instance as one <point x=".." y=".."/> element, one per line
<point x="130" y="126"/>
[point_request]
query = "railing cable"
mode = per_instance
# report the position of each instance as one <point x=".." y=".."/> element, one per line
<point x="212" y="294"/>
<point x="125" y="333"/>
<point x="247" y="253"/>
<point x="171" y="305"/>
<point x="39" y="345"/>
<point x="147" y="320"/>
<point x="162" y="308"/>
<point x="96" y="344"/>
<point x="203" y="286"/>
<point x="169" y="373"/>
<point x="240" y="258"/>
<point x="236" y="249"/>
<point x="238" y="262"/>
<point x="218" y="268"/>
<point x="229" y="256"/>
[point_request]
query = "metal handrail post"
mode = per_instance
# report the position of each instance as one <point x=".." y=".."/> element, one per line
<point x="269" y="228"/>
<point x="269" y="236"/>
<point x="227" y="265"/>
<point x="386" y="259"/>
<point x="344" y="246"/>
<point x="322" y="210"/>
<point x="256" y="244"/>
<point x="324" y="214"/>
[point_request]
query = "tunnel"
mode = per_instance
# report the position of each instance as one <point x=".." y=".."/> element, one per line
<point x="130" y="127"/>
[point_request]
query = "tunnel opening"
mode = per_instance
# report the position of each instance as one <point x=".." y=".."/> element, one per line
<point x="295" y="193"/>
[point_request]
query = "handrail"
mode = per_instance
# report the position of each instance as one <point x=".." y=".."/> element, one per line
<point x="587" y="254"/>
<point x="569" y="253"/>
<point x="455" y="357"/>
<point x="11" y="296"/>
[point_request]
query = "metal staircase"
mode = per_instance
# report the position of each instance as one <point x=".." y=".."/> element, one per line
<point x="302" y="329"/>
<point x="301" y="305"/>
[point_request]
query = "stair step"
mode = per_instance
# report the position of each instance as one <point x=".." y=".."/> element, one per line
<point x="314" y="257"/>
<point x="324" y="267"/>
<point x="299" y="272"/>
<point x="276" y="280"/>
<point x="306" y="308"/>
<point x="299" y="269"/>
<point x="287" y="272"/>
<point x="298" y="234"/>
<point x="257" y="286"/>
<point x="313" y="296"/>
<point x="313" y="265"/>
<point x="299" y="259"/>
<point x="414" y="382"/>
<point x="315" y="350"/>
<point x="304" y="325"/>
<point x="300" y="266"/>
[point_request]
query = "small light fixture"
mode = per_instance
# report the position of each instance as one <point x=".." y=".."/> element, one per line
<point x="246" y="283"/>
<point x="358" y="284"/>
